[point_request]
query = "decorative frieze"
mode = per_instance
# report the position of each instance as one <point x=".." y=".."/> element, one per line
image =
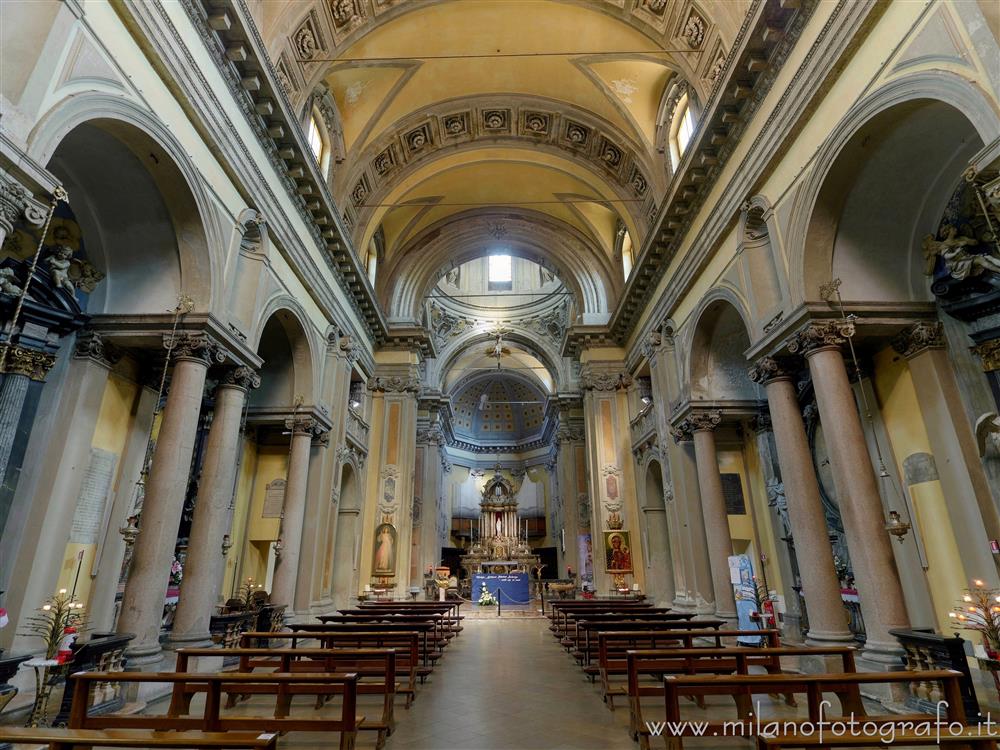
<point x="918" y="338"/>
<point x="394" y="384"/>
<point x="602" y="381"/>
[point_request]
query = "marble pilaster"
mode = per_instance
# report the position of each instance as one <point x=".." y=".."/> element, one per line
<point x="21" y="367"/>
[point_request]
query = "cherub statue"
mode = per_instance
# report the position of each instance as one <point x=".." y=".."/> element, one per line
<point x="7" y="285"/>
<point x="958" y="261"/>
<point x="59" y="262"/>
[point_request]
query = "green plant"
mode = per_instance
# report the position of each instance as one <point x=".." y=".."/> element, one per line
<point x="58" y="613"/>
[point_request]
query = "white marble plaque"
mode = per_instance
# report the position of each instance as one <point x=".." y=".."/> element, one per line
<point x="274" y="499"/>
<point x="93" y="497"/>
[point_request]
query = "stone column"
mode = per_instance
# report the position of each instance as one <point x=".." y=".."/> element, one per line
<point x="875" y="571"/>
<point x="293" y="515"/>
<point x="701" y="426"/>
<point x="820" y="587"/>
<point x="203" y="571"/>
<point x="142" y="603"/>
<point x="21" y="367"/>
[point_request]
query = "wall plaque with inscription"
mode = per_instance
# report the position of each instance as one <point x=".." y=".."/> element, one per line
<point x="92" y="500"/>
<point x="274" y="499"/>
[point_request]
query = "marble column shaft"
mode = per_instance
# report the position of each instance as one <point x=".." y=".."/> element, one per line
<point x="820" y="587"/>
<point x="166" y="487"/>
<point x="713" y="506"/>
<point x="205" y="565"/>
<point x="286" y="571"/>
<point x="874" y="565"/>
<point x="21" y="367"/>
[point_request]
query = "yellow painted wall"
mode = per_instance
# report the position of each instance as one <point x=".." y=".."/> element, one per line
<point x="111" y="431"/>
<point x="241" y="512"/>
<point x="271" y="463"/>
<point x="900" y="410"/>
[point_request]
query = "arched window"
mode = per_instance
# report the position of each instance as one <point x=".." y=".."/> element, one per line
<point x="371" y="261"/>
<point x="628" y="254"/>
<point x="681" y="129"/>
<point x="316" y="136"/>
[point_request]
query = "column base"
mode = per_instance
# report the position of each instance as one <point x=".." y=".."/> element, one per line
<point x="189" y="640"/>
<point x="146" y="659"/>
<point x="883" y="657"/>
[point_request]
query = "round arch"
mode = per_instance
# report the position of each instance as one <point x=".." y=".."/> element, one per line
<point x="158" y="163"/>
<point x="414" y="270"/>
<point x="283" y="342"/>
<point x="457" y="348"/>
<point x="720" y="336"/>
<point x="815" y="220"/>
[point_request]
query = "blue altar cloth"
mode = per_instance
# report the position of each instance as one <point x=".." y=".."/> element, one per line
<point x="513" y="587"/>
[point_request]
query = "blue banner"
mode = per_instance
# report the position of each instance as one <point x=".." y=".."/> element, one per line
<point x="513" y="587"/>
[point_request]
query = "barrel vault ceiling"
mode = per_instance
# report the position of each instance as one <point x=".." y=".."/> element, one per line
<point x="449" y="108"/>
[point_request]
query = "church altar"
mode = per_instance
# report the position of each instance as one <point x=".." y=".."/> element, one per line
<point x="499" y="549"/>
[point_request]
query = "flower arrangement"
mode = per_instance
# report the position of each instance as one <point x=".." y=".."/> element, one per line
<point x="979" y="610"/>
<point x="176" y="572"/>
<point x="486" y="599"/>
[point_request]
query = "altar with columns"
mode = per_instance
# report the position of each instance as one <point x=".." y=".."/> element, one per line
<point x="502" y="545"/>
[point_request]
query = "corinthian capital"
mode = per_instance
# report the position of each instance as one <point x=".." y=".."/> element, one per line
<point x="820" y="335"/>
<point x="194" y="346"/>
<point x="696" y="421"/>
<point x="303" y="424"/>
<point x="241" y="377"/>
<point x="919" y="337"/>
<point x="769" y="369"/>
<point x="28" y="362"/>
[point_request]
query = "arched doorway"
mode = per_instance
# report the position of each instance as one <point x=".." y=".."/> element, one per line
<point x="660" y="573"/>
<point x="347" y="544"/>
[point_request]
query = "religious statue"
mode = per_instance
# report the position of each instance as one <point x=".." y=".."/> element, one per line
<point x="453" y="275"/>
<point x="617" y="552"/>
<point x="7" y="285"/>
<point x="59" y="262"/>
<point x="958" y="261"/>
<point x="385" y="550"/>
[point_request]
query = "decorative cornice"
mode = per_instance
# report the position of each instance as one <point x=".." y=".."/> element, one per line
<point x="28" y="362"/>
<point x="918" y="338"/>
<point x="768" y="369"/>
<point x="821" y="334"/>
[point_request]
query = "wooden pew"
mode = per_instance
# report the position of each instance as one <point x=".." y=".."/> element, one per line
<point x="215" y="684"/>
<point x="449" y="625"/>
<point x="379" y="664"/>
<point x="572" y="635"/>
<point x="451" y="610"/>
<point x="375" y="619"/>
<point x="68" y="739"/>
<point x="613" y="647"/>
<point x="972" y="737"/>
<point x="738" y="660"/>
<point x="430" y="650"/>
<point x="406" y="645"/>
<point x="560" y="615"/>
<point x="742" y="688"/>
<point x="586" y="651"/>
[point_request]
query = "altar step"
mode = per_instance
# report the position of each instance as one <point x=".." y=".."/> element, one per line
<point x="509" y="611"/>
